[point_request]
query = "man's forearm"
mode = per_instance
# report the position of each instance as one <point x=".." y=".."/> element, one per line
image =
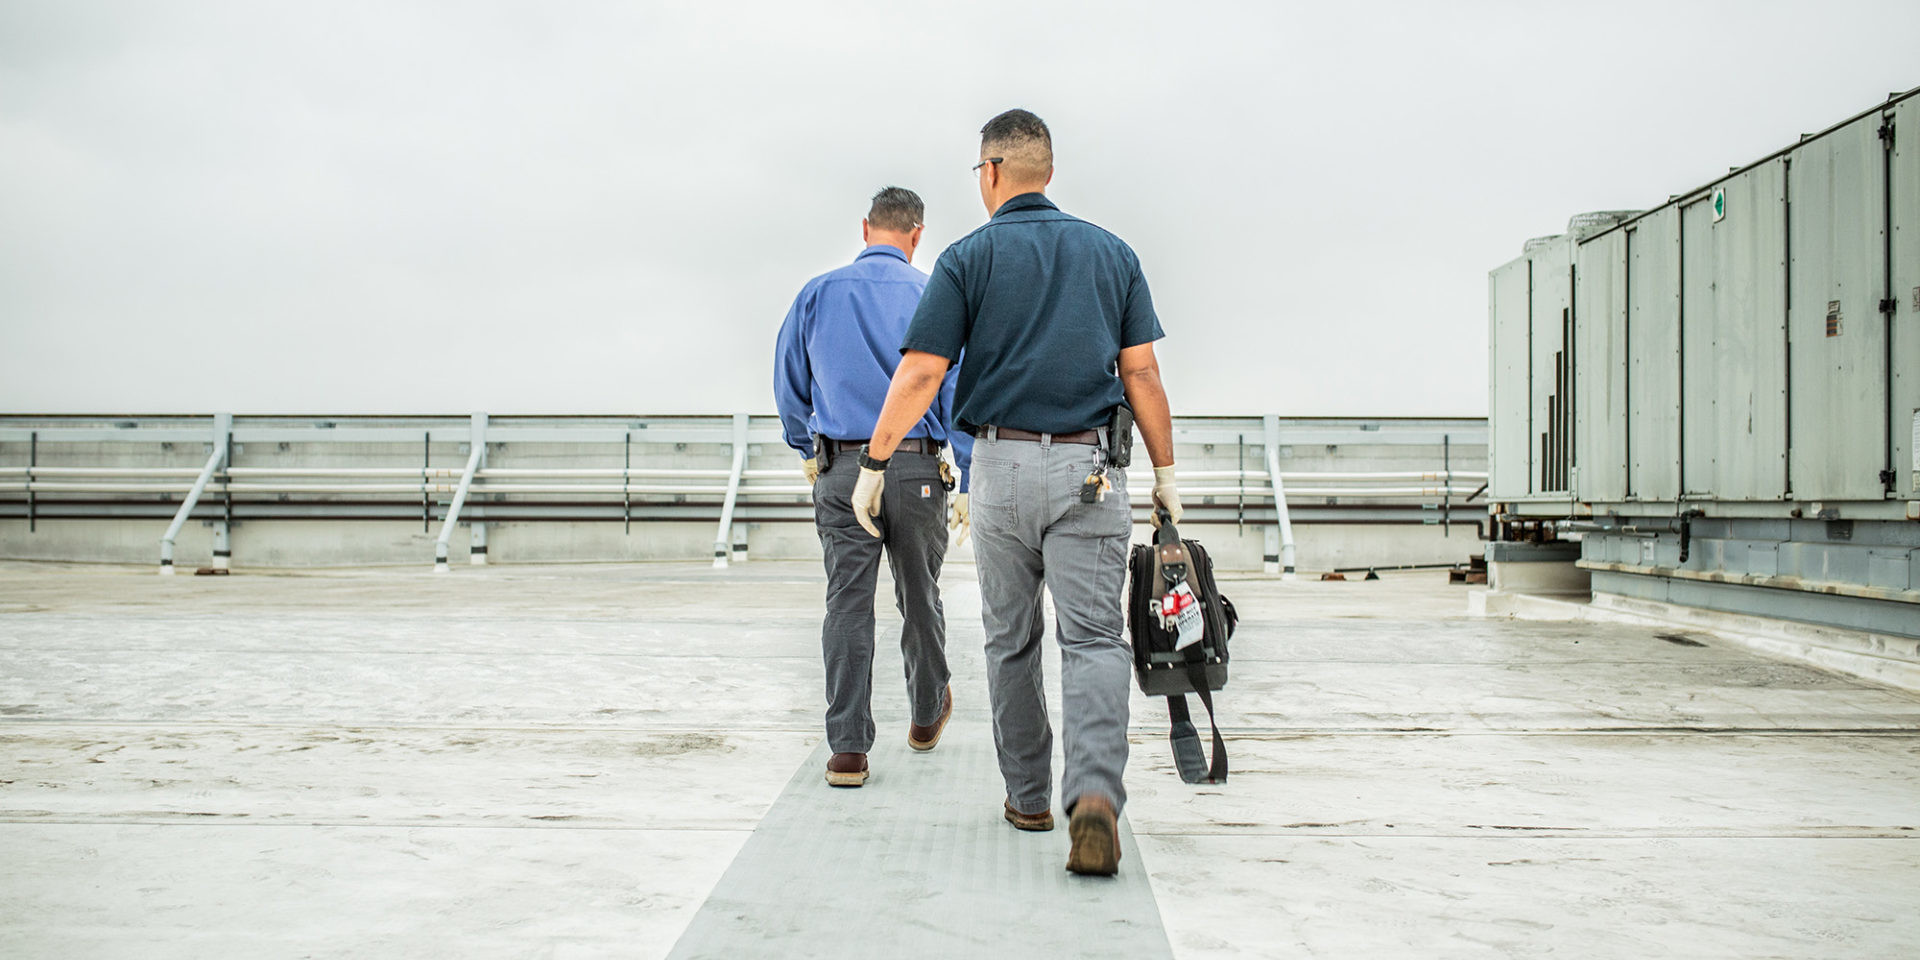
<point x="915" y="383"/>
<point x="1151" y="414"/>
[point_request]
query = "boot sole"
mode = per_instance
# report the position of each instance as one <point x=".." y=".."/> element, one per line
<point x="923" y="746"/>
<point x="846" y="779"/>
<point x="1039" y="824"/>
<point x="1096" y="846"/>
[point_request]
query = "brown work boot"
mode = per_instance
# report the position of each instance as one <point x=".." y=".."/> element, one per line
<point x="926" y="738"/>
<point x="1041" y="821"/>
<point x="1095" y="831"/>
<point x="847" y="769"/>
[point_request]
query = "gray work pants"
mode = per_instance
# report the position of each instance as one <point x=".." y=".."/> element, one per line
<point x="1030" y="530"/>
<point x="913" y="529"/>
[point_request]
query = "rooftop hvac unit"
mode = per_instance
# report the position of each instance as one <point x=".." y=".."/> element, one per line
<point x="1584" y="225"/>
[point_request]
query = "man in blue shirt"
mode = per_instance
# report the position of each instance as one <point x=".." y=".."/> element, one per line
<point x="835" y="356"/>
<point x="1058" y="329"/>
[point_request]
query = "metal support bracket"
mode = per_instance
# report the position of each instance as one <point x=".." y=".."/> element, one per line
<point x="222" y="430"/>
<point x="33" y="460"/>
<point x="477" y="452"/>
<point x="1285" y="563"/>
<point x="722" y="536"/>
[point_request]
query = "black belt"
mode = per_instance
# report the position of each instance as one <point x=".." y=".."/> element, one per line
<point x="911" y="445"/>
<point x="1088" y="437"/>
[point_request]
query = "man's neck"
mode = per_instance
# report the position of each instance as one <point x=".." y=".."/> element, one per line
<point x="898" y="243"/>
<point x="1020" y="190"/>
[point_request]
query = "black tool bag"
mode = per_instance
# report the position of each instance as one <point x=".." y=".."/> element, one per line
<point x="1201" y="667"/>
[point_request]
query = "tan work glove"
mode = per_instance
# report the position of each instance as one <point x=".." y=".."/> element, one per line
<point x="866" y="498"/>
<point x="957" y="519"/>
<point x="811" y="467"/>
<point x="1165" y="494"/>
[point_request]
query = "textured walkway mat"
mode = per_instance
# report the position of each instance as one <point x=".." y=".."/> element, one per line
<point x="918" y="863"/>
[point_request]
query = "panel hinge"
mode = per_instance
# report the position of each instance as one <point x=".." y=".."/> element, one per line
<point x="1886" y="478"/>
<point x="1886" y="135"/>
<point x="1888" y="305"/>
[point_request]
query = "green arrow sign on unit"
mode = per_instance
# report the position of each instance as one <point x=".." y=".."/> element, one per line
<point x="1719" y="204"/>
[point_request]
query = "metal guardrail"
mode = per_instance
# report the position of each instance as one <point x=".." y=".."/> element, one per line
<point x="1260" y="494"/>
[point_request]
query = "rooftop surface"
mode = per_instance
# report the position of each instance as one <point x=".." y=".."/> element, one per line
<point x="566" y="761"/>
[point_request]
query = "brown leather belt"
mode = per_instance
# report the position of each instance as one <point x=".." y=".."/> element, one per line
<point x="910" y="445"/>
<point x="1088" y="437"/>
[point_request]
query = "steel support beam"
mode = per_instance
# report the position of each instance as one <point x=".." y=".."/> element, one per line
<point x="222" y="429"/>
<point x="721" y="546"/>
<point x="477" y="452"/>
<point x="1283" y="564"/>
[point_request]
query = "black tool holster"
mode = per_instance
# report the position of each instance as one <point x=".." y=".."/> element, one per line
<point x="1120" y="436"/>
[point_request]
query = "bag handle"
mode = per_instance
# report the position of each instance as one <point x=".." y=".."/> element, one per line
<point x="1166" y="535"/>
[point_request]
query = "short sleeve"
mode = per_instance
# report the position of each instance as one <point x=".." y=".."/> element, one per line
<point x="940" y="322"/>
<point x="1139" y="324"/>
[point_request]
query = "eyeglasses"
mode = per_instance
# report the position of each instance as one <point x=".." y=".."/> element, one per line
<point x="977" y="166"/>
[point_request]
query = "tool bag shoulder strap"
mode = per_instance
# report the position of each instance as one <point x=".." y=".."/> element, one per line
<point x="1176" y="560"/>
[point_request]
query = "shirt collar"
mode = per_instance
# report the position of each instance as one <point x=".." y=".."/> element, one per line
<point x="1026" y="201"/>
<point x="883" y="249"/>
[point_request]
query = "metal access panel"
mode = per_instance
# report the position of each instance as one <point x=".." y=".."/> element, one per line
<point x="1549" y="307"/>
<point x="1904" y="172"/>
<point x="1838" y="337"/>
<point x="1734" y="322"/>
<point x="1653" y="356"/>
<point x="1600" y="373"/>
<point x="1508" y="461"/>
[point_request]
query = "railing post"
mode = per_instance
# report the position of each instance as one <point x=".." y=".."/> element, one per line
<point x="1283" y="562"/>
<point x="477" y="530"/>
<point x="33" y="460"/>
<point x="477" y="450"/>
<point x="722" y="536"/>
<point x="222" y="429"/>
<point x="223" y="527"/>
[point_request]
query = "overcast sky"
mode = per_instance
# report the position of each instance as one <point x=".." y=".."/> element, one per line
<point x="607" y="207"/>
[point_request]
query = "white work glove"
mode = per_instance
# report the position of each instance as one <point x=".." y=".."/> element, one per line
<point x="866" y="498"/>
<point x="957" y="518"/>
<point x="811" y="467"/>
<point x="1165" y="494"/>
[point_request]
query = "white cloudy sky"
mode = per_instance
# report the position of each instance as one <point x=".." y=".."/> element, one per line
<point x="361" y="207"/>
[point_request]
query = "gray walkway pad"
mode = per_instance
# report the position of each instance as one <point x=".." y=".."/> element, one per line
<point x="918" y="863"/>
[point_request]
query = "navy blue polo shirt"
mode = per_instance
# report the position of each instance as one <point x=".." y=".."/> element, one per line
<point x="1042" y="303"/>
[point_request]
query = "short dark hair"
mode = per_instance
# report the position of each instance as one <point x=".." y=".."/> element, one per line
<point x="897" y="209"/>
<point x="1023" y="139"/>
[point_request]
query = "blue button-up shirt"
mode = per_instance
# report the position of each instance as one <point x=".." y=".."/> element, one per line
<point x="1042" y="303"/>
<point x="837" y="351"/>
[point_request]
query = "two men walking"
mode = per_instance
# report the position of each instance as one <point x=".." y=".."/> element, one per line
<point x="1056" y="326"/>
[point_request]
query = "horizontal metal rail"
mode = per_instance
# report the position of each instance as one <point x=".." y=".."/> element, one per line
<point x="542" y="473"/>
<point x="1139" y="491"/>
<point x="733" y="469"/>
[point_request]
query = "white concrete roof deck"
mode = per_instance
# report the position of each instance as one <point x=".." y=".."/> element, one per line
<point x="562" y="761"/>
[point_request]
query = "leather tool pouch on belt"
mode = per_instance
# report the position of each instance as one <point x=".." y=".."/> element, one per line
<point x="822" y="452"/>
<point x="1170" y="581"/>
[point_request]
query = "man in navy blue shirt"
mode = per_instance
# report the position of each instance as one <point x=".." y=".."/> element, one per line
<point x="835" y="356"/>
<point x="1058" y="329"/>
